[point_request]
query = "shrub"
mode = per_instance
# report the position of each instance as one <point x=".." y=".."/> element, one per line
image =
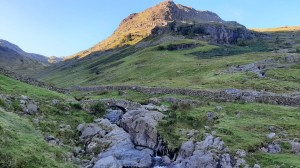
<point x="2" y="103"/>
<point x="297" y="48"/>
<point x="98" y="108"/>
<point x="182" y="106"/>
<point x="160" y="48"/>
<point x="171" y="47"/>
<point x="76" y="106"/>
<point x="16" y="105"/>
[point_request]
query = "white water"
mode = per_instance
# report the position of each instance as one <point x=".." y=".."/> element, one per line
<point x="157" y="159"/>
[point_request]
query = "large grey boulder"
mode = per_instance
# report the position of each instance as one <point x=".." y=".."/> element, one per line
<point x="155" y="108"/>
<point x="274" y="148"/>
<point x="233" y="91"/>
<point x="141" y="125"/>
<point x="90" y="130"/>
<point x="271" y="135"/>
<point x="114" y="116"/>
<point x="199" y="158"/>
<point x="192" y="155"/>
<point x="295" y="147"/>
<point x="32" y="109"/>
<point x="108" y="162"/>
<point x="116" y="143"/>
<point x="186" y="149"/>
<point x="225" y="161"/>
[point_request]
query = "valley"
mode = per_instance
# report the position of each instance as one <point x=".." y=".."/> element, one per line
<point x="173" y="87"/>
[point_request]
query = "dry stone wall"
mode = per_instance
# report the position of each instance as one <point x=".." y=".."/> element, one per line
<point x="31" y="81"/>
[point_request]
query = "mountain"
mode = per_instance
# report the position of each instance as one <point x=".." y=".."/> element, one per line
<point x="14" y="58"/>
<point x="180" y="47"/>
<point x="138" y="26"/>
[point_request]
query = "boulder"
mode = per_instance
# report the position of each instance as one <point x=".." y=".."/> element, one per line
<point x="114" y="116"/>
<point x="55" y="101"/>
<point x="256" y="166"/>
<point x="274" y="148"/>
<point x="204" y="153"/>
<point x="241" y="153"/>
<point x="240" y="163"/>
<point x="90" y="130"/>
<point x="24" y="97"/>
<point x="165" y="160"/>
<point x="225" y="161"/>
<point x="210" y="116"/>
<point x="114" y="142"/>
<point x="219" y="108"/>
<point x="233" y="91"/>
<point x="210" y="142"/>
<point x="154" y="107"/>
<point x="80" y="128"/>
<point x="186" y="149"/>
<point x="108" y="162"/>
<point x="295" y="147"/>
<point x="141" y="125"/>
<point x="198" y="158"/>
<point x="31" y="109"/>
<point x="271" y="135"/>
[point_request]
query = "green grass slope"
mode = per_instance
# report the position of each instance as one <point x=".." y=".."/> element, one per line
<point x="203" y="66"/>
<point x="22" y="146"/>
<point x="22" y="141"/>
<point x="14" y="87"/>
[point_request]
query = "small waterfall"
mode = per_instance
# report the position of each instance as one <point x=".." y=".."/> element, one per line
<point x="157" y="162"/>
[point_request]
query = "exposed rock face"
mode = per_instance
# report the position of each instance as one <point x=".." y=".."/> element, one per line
<point x="117" y="149"/>
<point x="141" y="125"/>
<point x="114" y="116"/>
<point x="210" y="153"/>
<point x="90" y="130"/>
<point x="108" y="162"/>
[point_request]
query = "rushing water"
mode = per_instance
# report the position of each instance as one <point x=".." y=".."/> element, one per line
<point x="157" y="162"/>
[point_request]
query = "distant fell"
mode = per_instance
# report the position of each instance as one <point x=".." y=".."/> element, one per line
<point x="13" y="58"/>
<point x="278" y="29"/>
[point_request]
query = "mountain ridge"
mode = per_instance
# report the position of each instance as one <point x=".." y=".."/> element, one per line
<point x="13" y="58"/>
<point x="37" y="57"/>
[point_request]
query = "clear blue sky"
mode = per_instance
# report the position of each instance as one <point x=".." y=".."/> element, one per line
<point x="64" y="27"/>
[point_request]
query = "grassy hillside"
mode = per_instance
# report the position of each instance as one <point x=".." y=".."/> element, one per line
<point x="22" y="140"/>
<point x="278" y="29"/>
<point x="14" y="87"/>
<point x="202" y="66"/>
<point x="22" y="146"/>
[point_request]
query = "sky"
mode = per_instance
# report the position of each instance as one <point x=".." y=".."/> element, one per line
<point x="65" y="27"/>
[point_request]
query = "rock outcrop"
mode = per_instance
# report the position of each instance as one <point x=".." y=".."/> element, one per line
<point x="114" y="144"/>
<point x="210" y="153"/>
<point x="141" y="125"/>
